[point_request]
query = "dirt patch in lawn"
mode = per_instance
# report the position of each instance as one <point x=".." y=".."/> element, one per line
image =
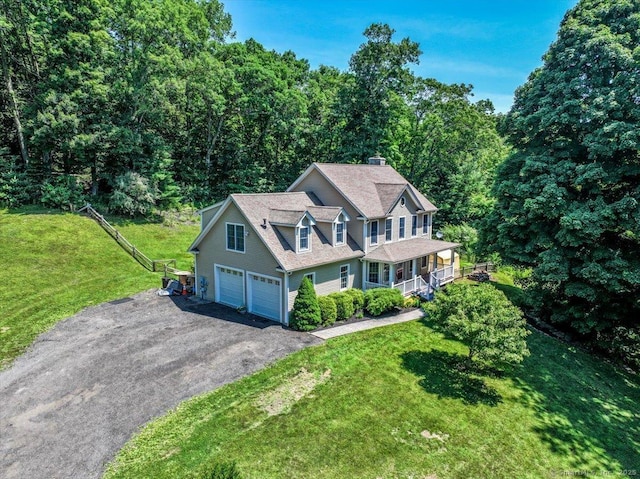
<point x="281" y="399"/>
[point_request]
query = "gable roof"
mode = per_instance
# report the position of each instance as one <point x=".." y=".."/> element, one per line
<point x="327" y="214"/>
<point x="287" y="207"/>
<point x="371" y="189"/>
<point x="288" y="217"/>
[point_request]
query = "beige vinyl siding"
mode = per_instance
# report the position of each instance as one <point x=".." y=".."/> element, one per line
<point x="327" y="230"/>
<point x="208" y="215"/>
<point x="318" y="185"/>
<point x="327" y="278"/>
<point x="256" y="258"/>
<point x="407" y="210"/>
<point x="289" y="235"/>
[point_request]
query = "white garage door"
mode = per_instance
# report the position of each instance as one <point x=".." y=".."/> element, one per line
<point x="229" y="286"/>
<point x="264" y="296"/>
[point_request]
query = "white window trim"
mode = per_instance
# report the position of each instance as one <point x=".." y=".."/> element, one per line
<point x="298" y="237"/>
<point x="348" y="274"/>
<point x="313" y="277"/>
<point x="371" y="242"/>
<point x="390" y="229"/>
<point x="404" y="229"/>
<point x="378" y="273"/>
<point x="426" y="221"/>
<point x="244" y="237"/>
<point x="416" y="233"/>
<point x="344" y="231"/>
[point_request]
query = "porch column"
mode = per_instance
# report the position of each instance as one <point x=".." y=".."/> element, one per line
<point x="392" y="274"/>
<point x="435" y="261"/>
<point x="414" y="269"/>
<point x="364" y="277"/>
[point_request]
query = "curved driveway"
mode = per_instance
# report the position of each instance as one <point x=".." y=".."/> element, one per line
<point x="80" y="392"/>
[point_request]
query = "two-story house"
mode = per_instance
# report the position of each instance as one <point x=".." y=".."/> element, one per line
<point x="341" y="225"/>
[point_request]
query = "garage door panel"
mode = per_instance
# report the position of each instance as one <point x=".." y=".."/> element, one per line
<point x="265" y="294"/>
<point x="230" y="286"/>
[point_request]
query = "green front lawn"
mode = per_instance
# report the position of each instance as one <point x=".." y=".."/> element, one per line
<point x="392" y="403"/>
<point x="57" y="264"/>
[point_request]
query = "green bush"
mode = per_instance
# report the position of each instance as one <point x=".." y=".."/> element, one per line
<point x="412" y="302"/>
<point x="219" y="470"/>
<point x="358" y="298"/>
<point x="62" y="192"/>
<point x="344" y="305"/>
<point x="381" y="300"/>
<point x="133" y="195"/>
<point x="306" y="311"/>
<point x="328" y="310"/>
<point x="16" y="188"/>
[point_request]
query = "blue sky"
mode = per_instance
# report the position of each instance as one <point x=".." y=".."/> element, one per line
<point x="493" y="45"/>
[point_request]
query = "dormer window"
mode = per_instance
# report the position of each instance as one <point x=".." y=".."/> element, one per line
<point x="339" y="233"/>
<point x="340" y="230"/>
<point x="303" y="238"/>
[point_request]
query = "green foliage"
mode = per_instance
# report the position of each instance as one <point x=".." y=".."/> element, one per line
<point x="133" y="195"/>
<point x="16" y="188"/>
<point x="464" y="234"/>
<point x="219" y="470"/>
<point x="305" y="315"/>
<point x="412" y="302"/>
<point x="378" y="301"/>
<point x="344" y="305"/>
<point x="485" y="320"/>
<point x="328" y="310"/>
<point x="63" y="192"/>
<point x="567" y="199"/>
<point x="358" y="298"/>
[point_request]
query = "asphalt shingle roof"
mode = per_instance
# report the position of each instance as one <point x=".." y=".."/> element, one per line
<point x="370" y="188"/>
<point x="256" y="207"/>
<point x="408" y="249"/>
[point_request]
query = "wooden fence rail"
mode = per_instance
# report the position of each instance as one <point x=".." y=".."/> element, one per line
<point x="467" y="270"/>
<point x="139" y="256"/>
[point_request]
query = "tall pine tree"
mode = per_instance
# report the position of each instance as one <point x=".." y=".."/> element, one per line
<point x="568" y="198"/>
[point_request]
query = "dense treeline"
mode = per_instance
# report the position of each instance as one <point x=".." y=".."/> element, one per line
<point x="137" y="103"/>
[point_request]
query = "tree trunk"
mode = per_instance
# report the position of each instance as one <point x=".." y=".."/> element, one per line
<point x="14" y="108"/>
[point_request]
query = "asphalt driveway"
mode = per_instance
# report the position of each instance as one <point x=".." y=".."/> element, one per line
<point x="72" y="401"/>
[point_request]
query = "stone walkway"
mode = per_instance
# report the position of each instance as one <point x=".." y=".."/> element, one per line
<point x="367" y="324"/>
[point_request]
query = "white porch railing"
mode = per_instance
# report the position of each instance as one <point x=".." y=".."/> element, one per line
<point x="370" y="285"/>
<point x="411" y="285"/>
<point x="441" y="276"/>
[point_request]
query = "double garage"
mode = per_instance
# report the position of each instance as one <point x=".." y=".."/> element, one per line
<point x="260" y="294"/>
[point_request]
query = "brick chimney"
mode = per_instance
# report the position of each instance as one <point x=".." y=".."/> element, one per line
<point x="377" y="160"/>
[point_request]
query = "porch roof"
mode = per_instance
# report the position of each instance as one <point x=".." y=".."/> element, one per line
<point x="408" y="249"/>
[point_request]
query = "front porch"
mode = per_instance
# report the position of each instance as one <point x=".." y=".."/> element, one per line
<point x="430" y="265"/>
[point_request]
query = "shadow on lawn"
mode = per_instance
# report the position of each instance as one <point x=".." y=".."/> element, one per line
<point x="587" y="411"/>
<point x="448" y="375"/>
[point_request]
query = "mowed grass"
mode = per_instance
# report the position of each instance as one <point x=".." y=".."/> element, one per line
<point x="394" y="403"/>
<point x="54" y="265"/>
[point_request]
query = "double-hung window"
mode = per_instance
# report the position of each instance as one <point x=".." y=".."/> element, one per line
<point x="235" y="237"/>
<point x="401" y="227"/>
<point x="344" y="276"/>
<point x="426" y="219"/>
<point x="414" y="225"/>
<point x="374" y="273"/>
<point x="388" y="229"/>
<point x="303" y="238"/>
<point x="340" y="233"/>
<point x="373" y="233"/>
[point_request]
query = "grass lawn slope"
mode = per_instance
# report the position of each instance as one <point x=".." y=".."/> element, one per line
<point x="56" y="264"/>
<point x="394" y="403"/>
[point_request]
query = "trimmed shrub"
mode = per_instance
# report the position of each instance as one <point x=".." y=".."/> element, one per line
<point x="344" y="305"/>
<point x="328" y="310"/>
<point x="358" y="298"/>
<point x="306" y="312"/>
<point x="412" y="302"/>
<point x="381" y="300"/>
